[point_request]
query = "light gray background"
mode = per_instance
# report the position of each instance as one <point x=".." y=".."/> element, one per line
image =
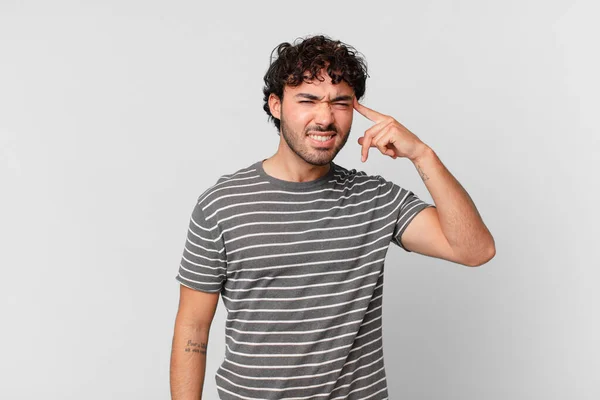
<point x="116" y="115"/>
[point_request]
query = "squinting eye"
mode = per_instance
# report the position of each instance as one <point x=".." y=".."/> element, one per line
<point x="342" y="104"/>
<point x="306" y="101"/>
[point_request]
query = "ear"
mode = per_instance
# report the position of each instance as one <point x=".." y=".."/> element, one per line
<point x="275" y="106"/>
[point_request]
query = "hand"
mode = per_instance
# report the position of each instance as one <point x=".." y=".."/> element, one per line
<point x="388" y="135"/>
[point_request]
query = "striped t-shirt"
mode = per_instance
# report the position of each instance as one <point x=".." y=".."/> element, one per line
<point x="299" y="266"/>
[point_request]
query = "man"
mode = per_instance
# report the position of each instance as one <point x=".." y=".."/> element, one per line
<point x="295" y="244"/>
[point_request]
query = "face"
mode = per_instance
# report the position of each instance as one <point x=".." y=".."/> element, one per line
<point x="315" y="110"/>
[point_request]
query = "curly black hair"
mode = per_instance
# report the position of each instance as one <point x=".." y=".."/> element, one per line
<point x="311" y="55"/>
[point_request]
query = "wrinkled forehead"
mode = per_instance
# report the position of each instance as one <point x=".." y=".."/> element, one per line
<point x="321" y="86"/>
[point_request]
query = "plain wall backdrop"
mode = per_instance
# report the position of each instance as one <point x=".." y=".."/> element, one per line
<point x="116" y="115"/>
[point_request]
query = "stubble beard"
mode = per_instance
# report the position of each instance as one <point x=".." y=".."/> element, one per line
<point x="298" y="143"/>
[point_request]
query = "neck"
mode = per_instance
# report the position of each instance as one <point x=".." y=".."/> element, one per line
<point x="293" y="169"/>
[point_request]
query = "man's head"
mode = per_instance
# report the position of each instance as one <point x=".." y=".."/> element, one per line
<point x="309" y="89"/>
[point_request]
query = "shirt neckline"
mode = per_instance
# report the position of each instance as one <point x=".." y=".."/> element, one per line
<point x="295" y="185"/>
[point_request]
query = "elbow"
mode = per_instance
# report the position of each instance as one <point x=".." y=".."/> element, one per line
<point x="488" y="254"/>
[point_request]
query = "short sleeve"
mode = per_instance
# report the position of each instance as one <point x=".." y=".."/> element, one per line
<point x="203" y="264"/>
<point x="409" y="205"/>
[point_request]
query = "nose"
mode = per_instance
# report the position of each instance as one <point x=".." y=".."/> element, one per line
<point x="324" y="115"/>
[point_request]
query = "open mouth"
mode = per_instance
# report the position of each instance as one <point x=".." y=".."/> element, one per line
<point x="322" y="140"/>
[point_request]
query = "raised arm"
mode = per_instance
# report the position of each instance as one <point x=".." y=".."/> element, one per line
<point x="453" y="230"/>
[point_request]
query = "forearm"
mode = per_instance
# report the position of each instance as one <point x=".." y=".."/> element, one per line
<point x="188" y="361"/>
<point x="460" y="221"/>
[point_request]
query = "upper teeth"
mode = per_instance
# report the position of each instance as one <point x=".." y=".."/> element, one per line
<point x="321" y="138"/>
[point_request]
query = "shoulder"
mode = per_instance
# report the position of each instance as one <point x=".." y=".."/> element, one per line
<point x="353" y="177"/>
<point x="231" y="181"/>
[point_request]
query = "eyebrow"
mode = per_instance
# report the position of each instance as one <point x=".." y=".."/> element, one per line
<point x="313" y="97"/>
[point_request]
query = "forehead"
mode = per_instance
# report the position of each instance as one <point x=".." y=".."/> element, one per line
<point x="321" y="88"/>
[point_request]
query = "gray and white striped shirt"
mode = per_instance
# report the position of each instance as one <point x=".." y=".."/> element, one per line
<point x="299" y="266"/>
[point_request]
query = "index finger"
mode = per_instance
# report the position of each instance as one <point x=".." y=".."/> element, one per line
<point x="367" y="112"/>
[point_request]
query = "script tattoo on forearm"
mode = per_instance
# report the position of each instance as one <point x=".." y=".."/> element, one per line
<point x="193" y="347"/>
<point x="422" y="173"/>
